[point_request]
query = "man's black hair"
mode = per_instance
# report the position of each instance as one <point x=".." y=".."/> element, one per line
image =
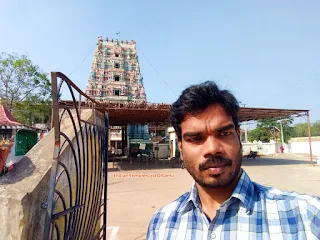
<point x="197" y="98"/>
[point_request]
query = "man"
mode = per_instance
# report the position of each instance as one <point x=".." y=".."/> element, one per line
<point x="223" y="203"/>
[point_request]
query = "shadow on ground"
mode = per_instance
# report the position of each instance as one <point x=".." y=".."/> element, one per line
<point x="126" y="165"/>
<point x="267" y="161"/>
<point x="23" y="169"/>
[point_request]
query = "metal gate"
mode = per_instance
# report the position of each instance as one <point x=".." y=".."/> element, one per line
<point x="76" y="206"/>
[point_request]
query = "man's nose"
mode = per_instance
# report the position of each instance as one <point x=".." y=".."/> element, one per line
<point x="212" y="146"/>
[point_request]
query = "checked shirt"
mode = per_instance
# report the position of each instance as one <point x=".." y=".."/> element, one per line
<point x="253" y="211"/>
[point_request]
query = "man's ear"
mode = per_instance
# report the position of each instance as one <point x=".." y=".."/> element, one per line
<point x="180" y="149"/>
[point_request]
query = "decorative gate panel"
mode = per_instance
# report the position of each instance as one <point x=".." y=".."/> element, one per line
<point x="76" y="207"/>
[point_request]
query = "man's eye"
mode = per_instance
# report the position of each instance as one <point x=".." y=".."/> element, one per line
<point x="195" y="139"/>
<point x="224" y="134"/>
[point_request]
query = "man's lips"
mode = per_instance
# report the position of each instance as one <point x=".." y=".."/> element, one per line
<point x="215" y="165"/>
<point x="215" y="169"/>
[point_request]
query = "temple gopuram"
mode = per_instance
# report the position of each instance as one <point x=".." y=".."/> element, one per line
<point x="115" y="73"/>
<point x="114" y="78"/>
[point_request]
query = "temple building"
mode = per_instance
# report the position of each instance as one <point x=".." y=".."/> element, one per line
<point x="115" y="77"/>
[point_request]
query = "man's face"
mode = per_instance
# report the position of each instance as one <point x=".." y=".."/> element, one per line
<point x="210" y="147"/>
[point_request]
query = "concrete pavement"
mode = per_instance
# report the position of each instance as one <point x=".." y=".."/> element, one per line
<point x="134" y="195"/>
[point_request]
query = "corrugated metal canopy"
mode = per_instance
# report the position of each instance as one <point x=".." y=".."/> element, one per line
<point x="121" y="114"/>
<point x="247" y="114"/>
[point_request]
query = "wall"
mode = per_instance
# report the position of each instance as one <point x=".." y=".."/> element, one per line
<point x="25" y="188"/>
<point x="295" y="145"/>
<point x="301" y="145"/>
<point x="261" y="148"/>
<point x="12" y="158"/>
<point x="172" y="137"/>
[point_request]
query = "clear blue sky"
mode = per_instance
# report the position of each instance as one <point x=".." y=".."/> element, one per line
<point x="266" y="52"/>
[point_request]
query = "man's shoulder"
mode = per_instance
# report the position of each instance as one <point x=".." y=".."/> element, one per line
<point x="163" y="214"/>
<point x="292" y="207"/>
<point x="172" y="206"/>
<point x="287" y="198"/>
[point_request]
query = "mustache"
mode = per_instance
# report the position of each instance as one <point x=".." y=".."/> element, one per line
<point x="217" y="159"/>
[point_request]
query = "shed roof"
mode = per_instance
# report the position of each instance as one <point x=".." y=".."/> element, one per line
<point x="247" y="114"/>
<point x="121" y="114"/>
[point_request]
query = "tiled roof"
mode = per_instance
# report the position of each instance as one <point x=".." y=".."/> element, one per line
<point x="7" y="121"/>
<point x="6" y="117"/>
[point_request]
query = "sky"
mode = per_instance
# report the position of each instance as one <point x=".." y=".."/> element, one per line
<point x="267" y="53"/>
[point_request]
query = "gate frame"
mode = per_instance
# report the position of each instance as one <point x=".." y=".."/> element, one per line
<point x="56" y="105"/>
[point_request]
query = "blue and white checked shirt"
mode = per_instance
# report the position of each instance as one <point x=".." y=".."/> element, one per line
<point x="252" y="212"/>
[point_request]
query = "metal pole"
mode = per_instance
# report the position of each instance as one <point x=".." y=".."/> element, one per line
<point x="157" y="146"/>
<point x="93" y="112"/>
<point x="246" y="132"/>
<point x="56" y="125"/>
<point x="105" y="194"/>
<point x="52" y="114"/>
<point x="281" y="128"/>
<point x="276" y="142"/>
<point x="79" y="107"/>
<point x="309" y="133"/>
<point x="157" y="152"/>
<point x="122" y="142"/>
<point x="245" y="125"/>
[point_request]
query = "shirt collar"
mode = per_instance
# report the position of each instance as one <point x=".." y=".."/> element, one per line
<point x="244" y="191"/>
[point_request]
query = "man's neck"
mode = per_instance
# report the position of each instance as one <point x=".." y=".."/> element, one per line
<point x="212" y="198"/>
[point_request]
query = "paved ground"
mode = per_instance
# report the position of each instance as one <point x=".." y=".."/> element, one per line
<point x="132" y="200"/>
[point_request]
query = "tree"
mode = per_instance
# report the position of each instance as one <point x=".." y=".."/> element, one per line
<point x="258" y="134"/>
<point x="33" y="111"/>
<point x="21" y="80"/>
<point x="24" y="89"/>
<point x="315" y="128"/>
<point x="269" y="129"/>
<point x="301" y="129"/>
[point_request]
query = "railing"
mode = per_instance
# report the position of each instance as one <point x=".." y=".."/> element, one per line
<point x="76" y="206"/>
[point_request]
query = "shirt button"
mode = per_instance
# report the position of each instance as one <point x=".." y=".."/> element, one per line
<point x="213" y="235"/>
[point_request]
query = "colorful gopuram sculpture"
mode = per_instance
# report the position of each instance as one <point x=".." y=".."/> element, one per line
<point x="115" y="73"/>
